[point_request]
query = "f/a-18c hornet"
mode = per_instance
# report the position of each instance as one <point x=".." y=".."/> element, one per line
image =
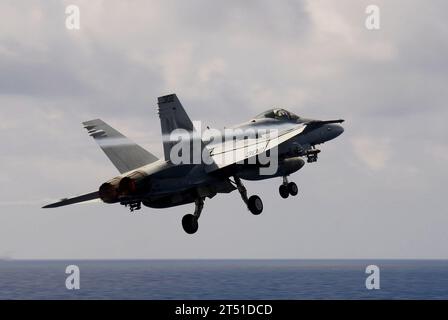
<point x="199" y="165"/>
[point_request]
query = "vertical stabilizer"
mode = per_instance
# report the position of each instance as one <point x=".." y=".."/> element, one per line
<point x="172" y="117"/>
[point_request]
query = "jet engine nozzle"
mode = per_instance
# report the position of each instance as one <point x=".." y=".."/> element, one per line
<point x="108" y="191"/>
<point x="132" y="183"/>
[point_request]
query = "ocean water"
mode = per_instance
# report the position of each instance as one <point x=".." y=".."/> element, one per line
<point x="225" y="279"/>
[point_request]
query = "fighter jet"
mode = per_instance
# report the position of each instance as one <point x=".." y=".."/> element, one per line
<point x="277" y="146"/>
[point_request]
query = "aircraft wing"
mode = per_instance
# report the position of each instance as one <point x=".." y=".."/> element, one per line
<point x="65" y="202"/>
<point x="232" y="152"/>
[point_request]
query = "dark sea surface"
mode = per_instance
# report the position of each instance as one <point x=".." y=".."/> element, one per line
<point x="225" y="279"/>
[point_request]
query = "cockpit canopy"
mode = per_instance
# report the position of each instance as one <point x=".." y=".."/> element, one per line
<point x="279" y="114"/>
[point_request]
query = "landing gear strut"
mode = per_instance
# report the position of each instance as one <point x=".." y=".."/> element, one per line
<point x="288" y="188"/>
<point x="254" y="203"/>
<point x="190" y="221"/>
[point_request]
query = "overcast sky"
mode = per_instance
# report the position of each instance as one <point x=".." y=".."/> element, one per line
<point x="378" y="191"/>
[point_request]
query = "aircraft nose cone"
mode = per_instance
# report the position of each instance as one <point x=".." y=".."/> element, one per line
<point x="338" y="130"/>
<point x="333" y="131"/>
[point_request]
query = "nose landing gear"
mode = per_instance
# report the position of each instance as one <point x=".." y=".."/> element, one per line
<point x="288" y="188"/>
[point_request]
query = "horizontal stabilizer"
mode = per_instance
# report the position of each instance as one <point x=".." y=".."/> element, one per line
<point x="65" y="202"/>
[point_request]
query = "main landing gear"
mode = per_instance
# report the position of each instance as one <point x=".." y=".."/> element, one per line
<point x="190" y="221"/>
<point x="254" y="203"/>
<point x="288" y="188"/>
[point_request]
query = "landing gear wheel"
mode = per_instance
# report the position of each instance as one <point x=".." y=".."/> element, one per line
<point x="283" y="190"/>
<point x="255" y="205"/>
<point x="292" y="189"/>
<point x="190" y="223"/>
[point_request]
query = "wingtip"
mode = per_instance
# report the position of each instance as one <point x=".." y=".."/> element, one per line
<point x="167" y="98"/>
<point x="92" y="122"/>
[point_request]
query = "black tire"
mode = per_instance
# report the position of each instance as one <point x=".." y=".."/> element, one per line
<point x="190" y="223"/>
<point x="292" y="189"/>
<point x="255" y="205"/>
<point x="284" y="192"/>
